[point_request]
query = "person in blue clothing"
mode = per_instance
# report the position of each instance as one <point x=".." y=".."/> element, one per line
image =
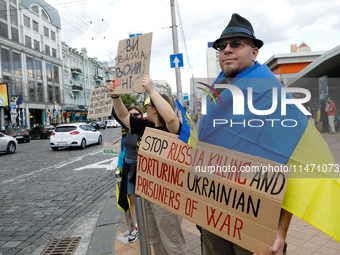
<point x="238" y="48"/>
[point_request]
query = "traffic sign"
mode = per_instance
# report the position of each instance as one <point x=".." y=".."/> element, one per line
<point x="176" y="60"/>
<point x="13" y="107"/>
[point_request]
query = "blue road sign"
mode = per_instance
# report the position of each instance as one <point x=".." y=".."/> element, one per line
<point x="176" y="60"/>
<point x="133" y="35"/>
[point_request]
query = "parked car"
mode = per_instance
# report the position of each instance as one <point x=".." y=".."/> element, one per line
<point x="8" y="144"/>
<point x="98" y="125"/>
<point x="76" y="134"/>
<point x="41" y="131"/>
<point x="18" y="133"/>
<point x="112" y="123"/>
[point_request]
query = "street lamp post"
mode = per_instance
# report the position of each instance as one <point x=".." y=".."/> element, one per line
<point x="176" y="50"/>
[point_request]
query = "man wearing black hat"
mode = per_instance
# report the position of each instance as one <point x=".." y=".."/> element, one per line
<point x="238" y="48"/>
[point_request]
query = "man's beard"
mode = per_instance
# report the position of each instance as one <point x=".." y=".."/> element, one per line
<point x="230" y="73"/>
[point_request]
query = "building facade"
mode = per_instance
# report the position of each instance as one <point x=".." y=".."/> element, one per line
<point x="31" y="60"/>
<point x="81" y="74"/>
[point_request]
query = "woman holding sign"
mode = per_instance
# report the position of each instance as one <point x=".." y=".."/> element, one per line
<point x="129" y="168"/>
<point x="165" y="229"/>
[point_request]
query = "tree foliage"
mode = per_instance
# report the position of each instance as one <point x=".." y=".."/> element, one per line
<point x="130" y="99"/>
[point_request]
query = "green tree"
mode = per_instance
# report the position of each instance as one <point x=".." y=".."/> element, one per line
<point x="130" y="99"/>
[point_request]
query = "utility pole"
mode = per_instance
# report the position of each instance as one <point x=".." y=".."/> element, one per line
<point x="176" y="50"/>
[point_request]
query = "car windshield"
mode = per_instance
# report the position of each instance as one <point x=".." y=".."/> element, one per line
<point x="9" y="131"/>
<point x="65" y="128"/>
<point x="19" y="129"/>
<point x="49" y="127"/>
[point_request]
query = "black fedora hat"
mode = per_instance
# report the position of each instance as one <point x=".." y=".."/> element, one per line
<point x="238" y="27"/>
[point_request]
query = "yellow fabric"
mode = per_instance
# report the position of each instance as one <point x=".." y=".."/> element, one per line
<point x="318" y="119"/>
<point x="193" y="138"/>
<point x="314" y="196"/>
<point x="117" y="196"/>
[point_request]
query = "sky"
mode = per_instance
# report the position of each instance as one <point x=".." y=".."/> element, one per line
<point x="98" y="26"/>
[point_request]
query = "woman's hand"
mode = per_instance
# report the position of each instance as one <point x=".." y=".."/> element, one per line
<point x="111" y="88"/>
<point x="147" y="83"/>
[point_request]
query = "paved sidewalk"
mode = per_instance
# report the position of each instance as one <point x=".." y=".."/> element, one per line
<point x="302" y="238"/>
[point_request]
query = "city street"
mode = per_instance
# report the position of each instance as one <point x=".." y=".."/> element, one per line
<point x="46" y="194"/>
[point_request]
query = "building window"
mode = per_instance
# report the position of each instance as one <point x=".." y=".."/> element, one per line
<point x="56" y="74"/>
<point x="29" y="64"/>
<point x="31" y="91"/>
<point x="46" y="32"/>
<point x="53" y="35"/>
<point x="38" y="68"/>
<point x="35" y="8"/>
<point x="27" y="21"/>
<point x="18" y="86"/>
<point x="47" y="50"/>
<point x="3" y="30"/>
<point x="3" y="10"/>
<point x="50" y="93"/>
<point x="36" y="45"/>
<point x="40" y="92"/>
<point x="49" y="72"/>
<point x="17" y="63"/>
<point x="14" y="16"/>
<point x="15" y="34"/>
<point x="35" y="26"/>
<point x="54" y="53"/>
<point x="56" y="94"/>
<point x="5" y="60"/>
<point x="28" y="41"/>
<point x="44" y="15"/>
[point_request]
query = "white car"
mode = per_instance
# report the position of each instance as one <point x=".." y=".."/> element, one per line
<point x="76" y="134"/>
<point x="8" y="144"/>
<point x="112" y="123"/>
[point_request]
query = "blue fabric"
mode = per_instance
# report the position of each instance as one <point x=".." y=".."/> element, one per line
<point x="275" y="143"/>
<point x="121" y="160"/>
<point x="130" y="186"/>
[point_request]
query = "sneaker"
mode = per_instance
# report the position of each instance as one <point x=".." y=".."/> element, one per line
<point x="134" y="236"/>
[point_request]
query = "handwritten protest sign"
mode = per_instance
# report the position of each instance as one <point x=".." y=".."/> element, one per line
<point x="100" y="103"/>
<point x="111" y="149"/>
<point x="132" y="63"/>
<point x="213" y="187"/>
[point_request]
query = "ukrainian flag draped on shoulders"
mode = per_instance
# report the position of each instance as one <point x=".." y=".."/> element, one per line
<point x="287" y="139"/>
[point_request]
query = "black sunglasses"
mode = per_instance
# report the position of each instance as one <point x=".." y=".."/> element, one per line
<point x="135" y="114"/>
<point x="233" y="44"/>
<point x="147" y="106"/>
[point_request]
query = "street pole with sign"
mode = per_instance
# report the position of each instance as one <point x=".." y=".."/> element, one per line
<point x="176" y="50"/>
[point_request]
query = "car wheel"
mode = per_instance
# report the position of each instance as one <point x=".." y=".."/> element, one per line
<point x="11" y="148"/>
<point x="55" y="148"/>
<point x="83" y="144"/>
<point x="28" y="140"/>
<point x="100" y="139"/>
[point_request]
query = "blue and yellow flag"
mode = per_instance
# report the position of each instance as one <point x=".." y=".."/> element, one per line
<point x="287" y="139"/>
<point x="188" y="133"/>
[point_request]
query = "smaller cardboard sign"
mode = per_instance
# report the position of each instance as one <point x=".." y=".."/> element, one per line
<point x="100" y="103"/>
<point x="132" y="64"/>
<point x="111" y="149"/>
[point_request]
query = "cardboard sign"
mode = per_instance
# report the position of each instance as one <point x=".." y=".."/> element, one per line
<point x="132" y="63"/>
<point x="111" y="149"/>
<point x="100" y="103"/>
<point x="237" y="205"/>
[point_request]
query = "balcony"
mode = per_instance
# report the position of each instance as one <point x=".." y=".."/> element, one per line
<point x="76" y="88"/>
<point x="76" y="71"/>
<point x="97" y="78"/>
